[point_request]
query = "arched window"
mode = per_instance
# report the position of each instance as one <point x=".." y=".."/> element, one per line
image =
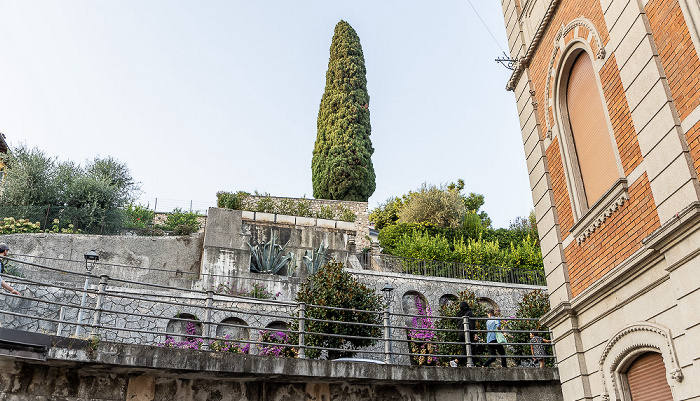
<point x="589" y="129"/>
<point x="646" y="379"/>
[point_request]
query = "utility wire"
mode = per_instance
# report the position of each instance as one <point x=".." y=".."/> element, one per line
<point x="487" y="28"/>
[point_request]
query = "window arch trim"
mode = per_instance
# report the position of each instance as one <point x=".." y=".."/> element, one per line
<point x="587" y="217"/>
<point x="625" y="346"/>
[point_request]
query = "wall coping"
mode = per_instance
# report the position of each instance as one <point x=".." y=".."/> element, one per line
<point x="238" y="367"/>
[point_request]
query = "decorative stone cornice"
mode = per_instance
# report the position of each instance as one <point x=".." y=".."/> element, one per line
<point x="608" y="204"/>
<point x="524" y="61"/>
<point x="600" y="219"/>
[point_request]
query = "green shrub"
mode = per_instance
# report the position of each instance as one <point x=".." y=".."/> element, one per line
<point x="387" y="213"/>
<point x="325" y="212"/>
<point x="390" y="236"/>
<point x="526" y="255"/>
<point x="9" y="225"/>
<point x="478" y="252"/>
<point x="334" y="286"/>
<point x="455" y="324"/>
<point x="420" y="245"/>
<point x="534" y="304"/>
<point x="265" y="205"/>
<point x="345" y="214"/>
<point x="138" y="216"/>
<point x="231" y="200"/>
<point x="181" y="222"/>
<point x="439" y="206"/>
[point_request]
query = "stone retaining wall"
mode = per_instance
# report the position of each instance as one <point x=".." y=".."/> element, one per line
<point x="118" y="372"/>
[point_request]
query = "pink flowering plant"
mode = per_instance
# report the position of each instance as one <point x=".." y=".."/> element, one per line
<point x="422" y="334"/>
<point x="277" y="343"/>
<point x="226" y="345"/>
<point x="191" y="342"/>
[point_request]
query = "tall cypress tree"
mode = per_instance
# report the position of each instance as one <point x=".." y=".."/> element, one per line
<point x="341" y="167"/>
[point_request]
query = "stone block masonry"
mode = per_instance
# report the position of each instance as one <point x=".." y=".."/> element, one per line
<point x="117" y="372"/>
<point x="360" y="209"/>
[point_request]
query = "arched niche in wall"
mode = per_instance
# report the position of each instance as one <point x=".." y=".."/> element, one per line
<point x="277" y="325"/>
<point x="409" y="304"/>
<point x="231" y="326"/>
<point x="448" y="298"/>
<point x="179" y="325"/>
<point x="489" y="304"/>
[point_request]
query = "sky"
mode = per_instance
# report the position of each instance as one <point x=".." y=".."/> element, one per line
<point x="204" y="96"/>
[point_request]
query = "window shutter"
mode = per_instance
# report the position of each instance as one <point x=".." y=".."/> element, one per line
<point x="647" y="379"/>
<point x="590" y="130"/>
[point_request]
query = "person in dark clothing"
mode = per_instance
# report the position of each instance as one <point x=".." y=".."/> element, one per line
<point x="466" y="311"/>
<point x="4" y="250"/>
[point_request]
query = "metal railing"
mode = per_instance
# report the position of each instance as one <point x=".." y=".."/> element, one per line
<point x="130" y="311"/>
<point x="437" y="268"/>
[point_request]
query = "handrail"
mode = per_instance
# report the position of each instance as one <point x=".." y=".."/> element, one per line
<point x="165" y="314"/>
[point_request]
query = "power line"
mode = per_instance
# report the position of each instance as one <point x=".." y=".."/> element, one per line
<point x="487" y="28"/>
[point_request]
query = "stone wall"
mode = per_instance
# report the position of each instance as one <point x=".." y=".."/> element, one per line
<point x="158" y="260"/>
<point x="118" y="372"/>
<point x="359" y="208"/>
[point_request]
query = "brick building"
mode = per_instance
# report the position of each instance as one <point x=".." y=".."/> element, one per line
<point x="608" y="94"/>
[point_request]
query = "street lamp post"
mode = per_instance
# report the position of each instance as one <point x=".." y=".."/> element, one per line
<point x="388" y="351"/>
<point x="90" y="259"/>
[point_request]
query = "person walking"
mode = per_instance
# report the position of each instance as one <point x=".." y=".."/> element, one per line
<point x="466" y="311"/>
<point x="493" y="326"/>
<point x="4" y="250"/>
<point x="537" y="348"/>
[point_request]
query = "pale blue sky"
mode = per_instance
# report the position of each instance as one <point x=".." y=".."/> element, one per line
<point x="202" y="96"/>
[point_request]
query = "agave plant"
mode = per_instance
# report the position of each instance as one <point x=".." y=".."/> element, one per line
<point x="268" y="257"/>
<point x="315" y="259"/>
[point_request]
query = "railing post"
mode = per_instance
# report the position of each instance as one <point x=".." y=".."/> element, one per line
<point x="387" y="336"/>
<point x="302" y="329"/>
<point x="207" y="314"/>
<point x="99" y="305"/>
<point x="467" y="341"/>
<point x="79" y="321"/>
<point x="61" y="316"/>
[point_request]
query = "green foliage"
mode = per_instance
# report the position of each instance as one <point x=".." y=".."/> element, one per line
<point x="268" y="257"/>
<point x="386" y="214"/>
<point x="430" y="204"/>
<point x="534" y="304"/>
<point x="341" y="166"/>
<point x="315" y="259"/>
<point x="420" y="245"/>
<point x="138" y="216"/>
<point x="345" y="214"/>
<point x="294" y="207"/>
<point x="9" y="225"/>
<point x="472" y="225"/>
<point x="478" y="252"/>
<point x="453" y="323"/>
<point x="231" y="200"/>
<point x="333" y="286"/>
<point x="57" y="227"/>
<point x="181" y="222"/>
<point x="526" y="255"/>
<point x="87" y="195"/>
<point x="325" y="212"/>
<point x="265" y="205"/>
<point x="390" y="236"/>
